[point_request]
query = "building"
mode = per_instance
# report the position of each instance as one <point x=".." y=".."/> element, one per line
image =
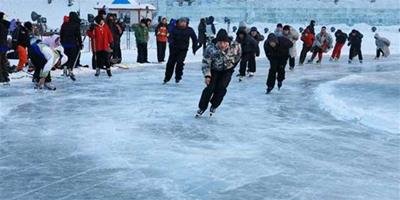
<point x="129" y="9"/>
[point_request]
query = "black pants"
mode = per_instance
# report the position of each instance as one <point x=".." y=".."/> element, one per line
<point x="4" y="65"/>
<point x="177" y="57"/>
<point x="117" y="54"/>
<point x="36" y="75"/>
<point x="94" y="62"/>
<point x="248" y="61"/>
<point x="72" y="54"/>
<point x="303" y="54"/>
<point x="276" y="71"/>
<point x="215" y="92"/>
<point x="292" y="62"/>
<point x="161" y="47"/>
<point x="379" y="52"/>
<point x="103" y="60"/>
<point x="142" y="52"/>
<point x="354" y="51"/>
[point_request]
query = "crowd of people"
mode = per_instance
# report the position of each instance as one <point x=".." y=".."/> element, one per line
<point x="221" y="52"/>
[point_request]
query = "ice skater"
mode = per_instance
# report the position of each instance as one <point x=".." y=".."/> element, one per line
<point x="44" y="58"/>
<point x="322" y="44"/>
<point x="219" y="60"/>
<point x="179" y="47"/>
<point x="355" y="40"/>
<point x="291" y="34"/>
<point x="277" y="51"/>
<point x="341" y="39"/>
<point x="382" y="46"/>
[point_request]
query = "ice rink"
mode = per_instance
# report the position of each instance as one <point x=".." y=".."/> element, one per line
<point x="331" y="133"/>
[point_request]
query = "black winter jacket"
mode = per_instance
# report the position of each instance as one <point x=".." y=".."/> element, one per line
<point x="180" y="38"/>
<point x="280" y="51"/>
<point x="70" y="33"/>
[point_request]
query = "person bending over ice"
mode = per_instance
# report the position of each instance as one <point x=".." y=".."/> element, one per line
<point x="277" y="51"/>
<point x="44" y="58"/>
<point x="219" y="60"/>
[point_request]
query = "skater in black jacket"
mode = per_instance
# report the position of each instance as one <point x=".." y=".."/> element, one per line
<point x="355" y="40"/>
<point x="71" y="40"/>
<point x="277" y="51"/>
<point x="250" y="50"/>
<point x="179" y="47"/>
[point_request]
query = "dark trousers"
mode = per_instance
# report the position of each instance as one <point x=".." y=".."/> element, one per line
<point x="379" y="52"/>
<point x="103" y="60"/>
<point x="354" y="51"/>
<point x="215" y="92"/>
<point x="36" y="75"/>
<point x="94" y="62"/>
<point x="292" y="62"/>
<point x="176" y="57"/>
<point x="72" y="54"/>
<point x="117" y="54"/>
<point x="303" y="53"/>
<point x="4" y="65"/>
<point x="276" y="71"/>
<point x="142" y="52"/>
<point x="248" y="61"/>
<point x="161" y="47"/>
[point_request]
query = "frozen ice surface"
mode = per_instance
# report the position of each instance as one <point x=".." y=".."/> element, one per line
<point x="130" y="137"/>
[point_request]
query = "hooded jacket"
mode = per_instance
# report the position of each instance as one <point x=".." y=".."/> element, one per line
<point x="341" y="37"/>
<point x="248" y="44"/>
<point x="355" y="40"/>
<point x="382" y="44"/>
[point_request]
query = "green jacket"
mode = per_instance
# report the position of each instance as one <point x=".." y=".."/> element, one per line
<point x="142" y="34"/>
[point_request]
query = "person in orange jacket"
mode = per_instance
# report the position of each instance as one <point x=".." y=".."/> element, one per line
<point x="162" y="38"/>
<point x="102" y="41"/>
<point x="308" y="40"/>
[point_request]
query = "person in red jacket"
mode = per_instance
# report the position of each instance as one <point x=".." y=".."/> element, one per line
<point x="308" y="40"/>
<point x="162" y="37"/>
<point x="102" y="41"/>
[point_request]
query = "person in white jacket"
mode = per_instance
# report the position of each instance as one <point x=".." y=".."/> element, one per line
<point x="44" y="58"/>
<point x="291" y="34"/>
<point x="322" y="44"/>
<point x="382" y="46"/>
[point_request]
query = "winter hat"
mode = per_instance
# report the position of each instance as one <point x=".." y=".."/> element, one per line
<point x="279" y="25"/>
<point x="222" y="36"/>
<point x="286" y="27"/>
<point x="253" y="29"/>
<point x="183" y="19"/>
<point x="312" y="22"/>
<point x="101" y="12"/>
<point x="272" y="38"/>
<point x="28" y="25"/>
<point x="241" y="31"/>
<point x="98" y="19"/>
<point x="143" y="21"/>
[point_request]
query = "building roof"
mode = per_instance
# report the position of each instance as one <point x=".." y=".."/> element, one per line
<point x="125" y="5"/>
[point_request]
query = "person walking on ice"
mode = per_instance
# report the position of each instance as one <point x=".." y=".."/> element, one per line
<point x="219" y="60"/>
<point x="382" y="46"/>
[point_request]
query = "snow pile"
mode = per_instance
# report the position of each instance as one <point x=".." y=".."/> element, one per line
<point x="369" y="99"/>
